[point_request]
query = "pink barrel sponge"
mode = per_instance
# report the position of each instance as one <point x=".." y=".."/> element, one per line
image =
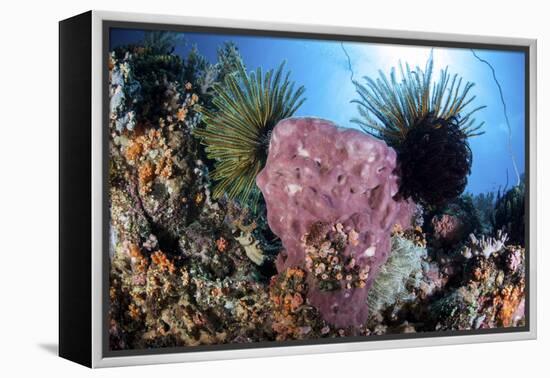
<point x="317" y="172"/>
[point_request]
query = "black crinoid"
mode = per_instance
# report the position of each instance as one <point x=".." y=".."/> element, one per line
<point x="427" y="124"/>
<point x="435" y="160"/>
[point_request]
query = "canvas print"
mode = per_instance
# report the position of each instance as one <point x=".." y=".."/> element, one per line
<point x="269" y="190"/>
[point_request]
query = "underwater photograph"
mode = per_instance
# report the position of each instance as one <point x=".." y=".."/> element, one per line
<point x="270" y="190"/>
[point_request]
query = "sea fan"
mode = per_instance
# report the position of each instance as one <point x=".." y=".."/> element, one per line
<point x="412" y="114"/>
<point x="237" y="133"/>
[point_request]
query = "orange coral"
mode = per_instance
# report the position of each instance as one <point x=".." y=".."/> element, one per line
<point x="507" y="303"/>
<point x="134" y="311"/>
<point x="416" y="235"/>
<point x="216" y="292"/>
<point x="481" y="274"/>
<point x="291" y="314"/>
<point x="483" y="270"/>
<point x="146" y="176"/>
<point x="164" y="166"/>
<point x="199" y="197"/>
<point x="221" y="244"/>
<point x="185" y="277"/>
<point x="139" y="262"/>
<point x="133" y="151"/>
<point x="142" y="265"/>
<point x="140" y="145"/>
<point x="160" y="259"/>
<point x="182" y="113"/>
<point x="161" y="165"/>
<point x="134" y="251"/>
<point x="112" y="293"/>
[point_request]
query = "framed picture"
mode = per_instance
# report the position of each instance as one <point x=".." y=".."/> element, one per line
<point x="232" y="189"/>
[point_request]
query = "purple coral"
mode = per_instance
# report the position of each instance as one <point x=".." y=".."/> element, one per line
<point x="317" y="172"/>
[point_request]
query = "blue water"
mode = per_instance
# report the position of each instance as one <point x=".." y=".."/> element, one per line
<point x="323" y="68"/>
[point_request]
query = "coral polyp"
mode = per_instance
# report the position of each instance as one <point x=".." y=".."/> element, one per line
<point x="237" y="133"/>
<point x="427" y="123"/>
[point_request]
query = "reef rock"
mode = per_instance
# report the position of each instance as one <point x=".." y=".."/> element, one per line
<point x="316" y="172"/>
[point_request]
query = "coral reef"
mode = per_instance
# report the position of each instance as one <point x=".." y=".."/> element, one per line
<point x="179" y="272"/>
<point x="451" y="224"/>
<point x="336" y="247"/>
<point x="509" y="213"/>
<point x="492" y="293"/>
<point x="144" y="86"/>
<point x="153" y="168"/>
<point x="428" y="125"/>
<point x="316" y="172"/>
<point x="293" y="318"/>
<point x="157" y="301"/>
<point x="474" y="290"/>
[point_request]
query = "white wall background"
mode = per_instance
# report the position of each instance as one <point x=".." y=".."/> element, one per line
<point x="28" y="185"/>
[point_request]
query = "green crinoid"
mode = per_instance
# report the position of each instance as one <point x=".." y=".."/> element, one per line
<point x="247" y="108"/>
<point x="427" y="123"/>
